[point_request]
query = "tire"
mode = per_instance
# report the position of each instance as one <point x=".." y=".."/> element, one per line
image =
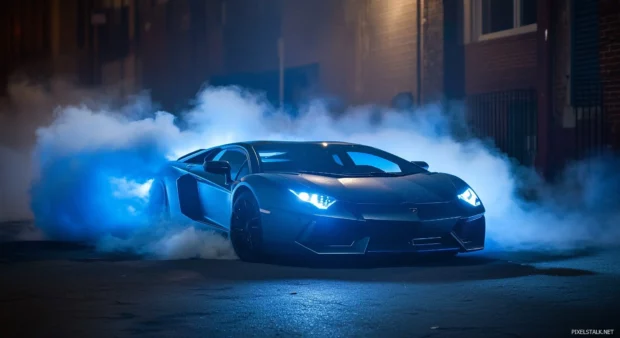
<point x="246" y="228"/>
<point x="158" y="203"/>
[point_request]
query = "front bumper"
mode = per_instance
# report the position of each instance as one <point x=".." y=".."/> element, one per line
<point x="379" y="231"/>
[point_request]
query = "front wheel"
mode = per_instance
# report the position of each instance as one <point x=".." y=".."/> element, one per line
<point x="246" y="229"/>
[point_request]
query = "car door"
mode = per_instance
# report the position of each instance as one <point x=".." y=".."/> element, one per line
<point x="215" y="193"/>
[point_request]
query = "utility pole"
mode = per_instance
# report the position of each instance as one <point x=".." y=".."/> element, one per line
<point x="420" y="52"/>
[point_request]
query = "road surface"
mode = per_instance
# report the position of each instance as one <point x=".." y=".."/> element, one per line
<point x="50" y="289"/>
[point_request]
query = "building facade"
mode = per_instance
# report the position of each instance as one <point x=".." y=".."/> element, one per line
<point x="57" y="38"/>
<point x="541" y="78"/>
<point x="22" y="42"/>
<point x="610" y="65"/>
<point x="357" y="50"/>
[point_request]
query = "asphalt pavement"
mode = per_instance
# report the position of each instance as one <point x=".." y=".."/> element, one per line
<point x="53" y="289"/>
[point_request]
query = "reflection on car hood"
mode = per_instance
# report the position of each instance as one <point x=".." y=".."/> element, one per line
<point x="418" y="188"/>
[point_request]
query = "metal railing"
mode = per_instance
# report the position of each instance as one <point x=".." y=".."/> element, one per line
<point x="508" y="119"/>
<point x="589" y="121"/>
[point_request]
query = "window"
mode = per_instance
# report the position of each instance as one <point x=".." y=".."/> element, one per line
<point x="528" y="12"/>
<point x="369" y="160"/>
<point x="307" y="158"/>
<point x="339" y="160"/>
<point x="499" y="18"/>
<point x="274" y="156"/>
<point x="198" y="158"/>
<point x="244" y="171"/>
<point x="235" y="158"/>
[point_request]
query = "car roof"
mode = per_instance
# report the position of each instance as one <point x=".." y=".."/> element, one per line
<point x="252" y="144"/>
<point x="259" y="143"/>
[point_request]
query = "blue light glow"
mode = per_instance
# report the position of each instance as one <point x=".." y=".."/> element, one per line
<point x="304" y="196"/>
<point x="95" y="193"/>
<point x="320" y="201"/>
<point x="470" y="197"/>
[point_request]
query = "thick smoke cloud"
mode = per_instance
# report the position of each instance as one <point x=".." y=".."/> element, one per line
<point x="92" y="163"/>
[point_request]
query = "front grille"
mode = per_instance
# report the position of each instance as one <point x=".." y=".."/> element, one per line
<point x="327" y="231"/>
<point x="325" y="234"/>
<point x="427" y="241"/>
<point x="430" y="211"/>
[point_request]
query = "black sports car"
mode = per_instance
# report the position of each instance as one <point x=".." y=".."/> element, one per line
<point x="320" y="198"/>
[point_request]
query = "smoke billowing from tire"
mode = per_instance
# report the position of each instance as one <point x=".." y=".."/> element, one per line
<point x="91" y="163"/>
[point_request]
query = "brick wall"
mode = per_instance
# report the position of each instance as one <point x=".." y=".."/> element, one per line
<point x="366" y="49"/>
<point x="390" y="53"/>
<point x="610" y="65"/>
<point x="251" y="33"/>
<point x="323" y="32"/>
<point x="501" y="64"/>
<point x="302" y="30"/>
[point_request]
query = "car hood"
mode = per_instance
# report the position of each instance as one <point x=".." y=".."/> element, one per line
<point x="418" y="188"/>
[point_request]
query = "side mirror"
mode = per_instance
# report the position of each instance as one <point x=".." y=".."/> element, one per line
<point x="218" y="167"/>
<point x="421" y="164"/>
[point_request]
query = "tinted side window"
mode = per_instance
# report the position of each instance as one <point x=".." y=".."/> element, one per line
<point x="198" y="159"/>
<point x="337" y="159"/>
<point x="218" y="156"/>
<point x="236" y="159"/>
<point x="365" y="159"/>
<point x="244" y="171"/>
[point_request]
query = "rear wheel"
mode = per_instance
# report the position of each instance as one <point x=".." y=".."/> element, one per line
<point x="246" y="228"/>
<point x="158" y="203"/>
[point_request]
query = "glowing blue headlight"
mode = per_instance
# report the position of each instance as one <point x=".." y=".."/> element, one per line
<point x="470" y="197"/>
<point x="319" y="201"/>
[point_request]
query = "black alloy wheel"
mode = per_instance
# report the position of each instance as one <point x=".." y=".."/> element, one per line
<point x="158" y="203"/>
<point x="245" y="228"/>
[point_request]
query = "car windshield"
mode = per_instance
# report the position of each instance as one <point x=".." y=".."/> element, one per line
<point x="332" y="159"/>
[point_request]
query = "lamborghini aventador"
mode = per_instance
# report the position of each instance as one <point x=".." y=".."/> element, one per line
<point x="320" y="198"/>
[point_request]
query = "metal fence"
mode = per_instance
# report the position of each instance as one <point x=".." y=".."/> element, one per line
<point x="590" y="131"/>
<point x="509" y="119"/>
<point x="589" y="122"/>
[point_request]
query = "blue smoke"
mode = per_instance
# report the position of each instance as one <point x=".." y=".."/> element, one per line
<point x="94" y="177"/>
<point x="95" y="169"/>
<point x="85" y="196"/>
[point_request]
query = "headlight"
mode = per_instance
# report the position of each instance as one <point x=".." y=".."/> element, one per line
<point x="319" y="201"/>
<point x="470" y="197"/>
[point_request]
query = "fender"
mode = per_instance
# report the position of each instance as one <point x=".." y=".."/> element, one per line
<point x="263" y="189"/>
